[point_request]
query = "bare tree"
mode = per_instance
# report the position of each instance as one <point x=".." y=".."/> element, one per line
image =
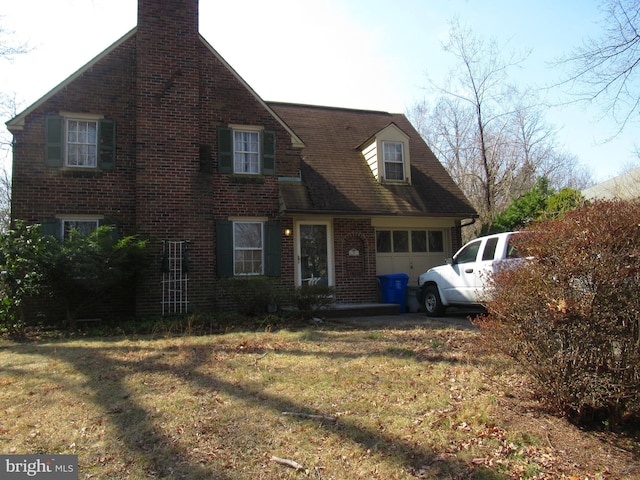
<point x="491" y="137"/>
<point x="8" y="49"/>
<point x="5" y="200"/>
<point x="537" y="153"/>
<point x="479" y="82"/>
<point x="607" y="68"/>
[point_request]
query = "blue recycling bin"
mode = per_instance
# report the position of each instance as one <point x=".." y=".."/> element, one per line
<point x="394" y="289"/>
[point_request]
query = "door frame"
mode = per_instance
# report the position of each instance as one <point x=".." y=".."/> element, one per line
<point x="330" y="250"/>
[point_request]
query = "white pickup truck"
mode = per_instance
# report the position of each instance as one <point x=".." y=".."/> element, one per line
<point x="463" y="279"/>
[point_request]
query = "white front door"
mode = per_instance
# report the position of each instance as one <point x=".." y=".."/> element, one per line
<point x="314" y="250"/>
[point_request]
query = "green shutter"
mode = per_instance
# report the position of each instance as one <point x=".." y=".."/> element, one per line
<point x="225" y="150"/>
<point x="268" y="152"/>
<point x="51" y="227"/>
<point x="273" y="249"/>
<point x="224" y="248"/>
<point x="54" y="140"/>
<point x="107" y="145"/>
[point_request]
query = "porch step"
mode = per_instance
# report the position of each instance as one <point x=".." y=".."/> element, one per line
<point x="340" y="310"/>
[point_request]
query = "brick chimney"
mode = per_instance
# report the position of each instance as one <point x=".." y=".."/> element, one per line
<point x="167" y="128"/>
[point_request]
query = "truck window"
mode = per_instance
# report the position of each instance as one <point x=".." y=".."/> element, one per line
<point x="512" y="252"/>
<point x="490" y="249"/>
<point x="468" y="253"/>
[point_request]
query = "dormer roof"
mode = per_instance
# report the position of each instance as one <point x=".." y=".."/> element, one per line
<point x="336" y="178"/>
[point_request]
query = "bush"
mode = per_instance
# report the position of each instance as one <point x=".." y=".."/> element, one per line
<point x="88" y="269"/>
<point x="255" y="295"/>
<point x="570" y="314"/>
<point x="311" y="299"/>
<point x="79" y="272"/>
<point x="25" y="258"/>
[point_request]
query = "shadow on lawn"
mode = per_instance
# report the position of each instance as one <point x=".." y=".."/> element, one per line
<point x="140" y="434"/>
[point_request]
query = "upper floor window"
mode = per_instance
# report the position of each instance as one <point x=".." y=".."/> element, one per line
<point x="80" y="141"/>
<point x="388" y="156"/>
<point x="246" y="152"/>
<point x="393" y="154"/>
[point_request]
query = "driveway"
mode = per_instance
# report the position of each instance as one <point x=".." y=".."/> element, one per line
<point x="454" y="318"/>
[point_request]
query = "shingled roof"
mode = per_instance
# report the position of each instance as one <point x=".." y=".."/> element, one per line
<point x="336" y="178"/>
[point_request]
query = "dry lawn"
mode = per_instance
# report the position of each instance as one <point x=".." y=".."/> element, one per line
<point x="330" y="402"/>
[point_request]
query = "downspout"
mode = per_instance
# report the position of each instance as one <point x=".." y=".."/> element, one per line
<point x="471" y="222"/>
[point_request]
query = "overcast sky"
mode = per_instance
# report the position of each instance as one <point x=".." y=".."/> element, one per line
<point x="369" y="54"/>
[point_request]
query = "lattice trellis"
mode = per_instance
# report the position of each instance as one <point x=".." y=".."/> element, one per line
<point x="175" y="276"/>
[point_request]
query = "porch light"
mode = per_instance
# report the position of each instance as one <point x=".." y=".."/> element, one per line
<point x="287" y="232"/>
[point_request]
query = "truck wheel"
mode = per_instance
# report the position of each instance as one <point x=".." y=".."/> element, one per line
<point x="432" y="302"/>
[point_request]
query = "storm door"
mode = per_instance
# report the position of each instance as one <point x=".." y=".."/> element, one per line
<point x="314" y="254"/>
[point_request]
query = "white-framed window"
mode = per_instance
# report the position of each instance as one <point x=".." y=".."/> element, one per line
<point x="393" y="155"/>
<point x="81" y="142"/>
<point x="246" y="151"/>
<point x="84" y="226"/>
<point x="388" y="155"/>
<point x="248" y="248"/>
<point x="409" y="241"/>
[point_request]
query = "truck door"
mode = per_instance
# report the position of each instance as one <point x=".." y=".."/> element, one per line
<point x="460" y="285"/>
<point x="484" y="267"/>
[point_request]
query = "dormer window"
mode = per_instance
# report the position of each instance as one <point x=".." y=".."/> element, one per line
<point x="387" y="154"/>
<point x="393" y="153"/>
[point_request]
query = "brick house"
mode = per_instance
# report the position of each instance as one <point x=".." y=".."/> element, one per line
<point x="159" y="136"/>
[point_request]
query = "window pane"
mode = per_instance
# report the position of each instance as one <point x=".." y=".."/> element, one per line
<point x="246" y="148"/>
<point x="83" y="227"/>
<point x="469" y="253"/>
<point x="418" y="241"/>
<point x="490" y="249"/>
<point x="247" y="245"/>
<point x="393" y="154"/>
<point x="383" y="241"/>
<point x="248" y="262"/>
<point x="400" y="241"/>
<point x="82" y="140"/>
<point x="436" y="244"/>
<point x="248" y="235"/>
<point x="393" y="171"/>
<point x="512" y="252"/>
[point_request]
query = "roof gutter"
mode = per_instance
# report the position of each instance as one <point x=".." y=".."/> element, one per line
<point x="471" y="222"/>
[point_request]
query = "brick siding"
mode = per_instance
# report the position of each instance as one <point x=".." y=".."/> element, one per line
<point x="355" y="274"/>
<point x="167" y="93"/>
